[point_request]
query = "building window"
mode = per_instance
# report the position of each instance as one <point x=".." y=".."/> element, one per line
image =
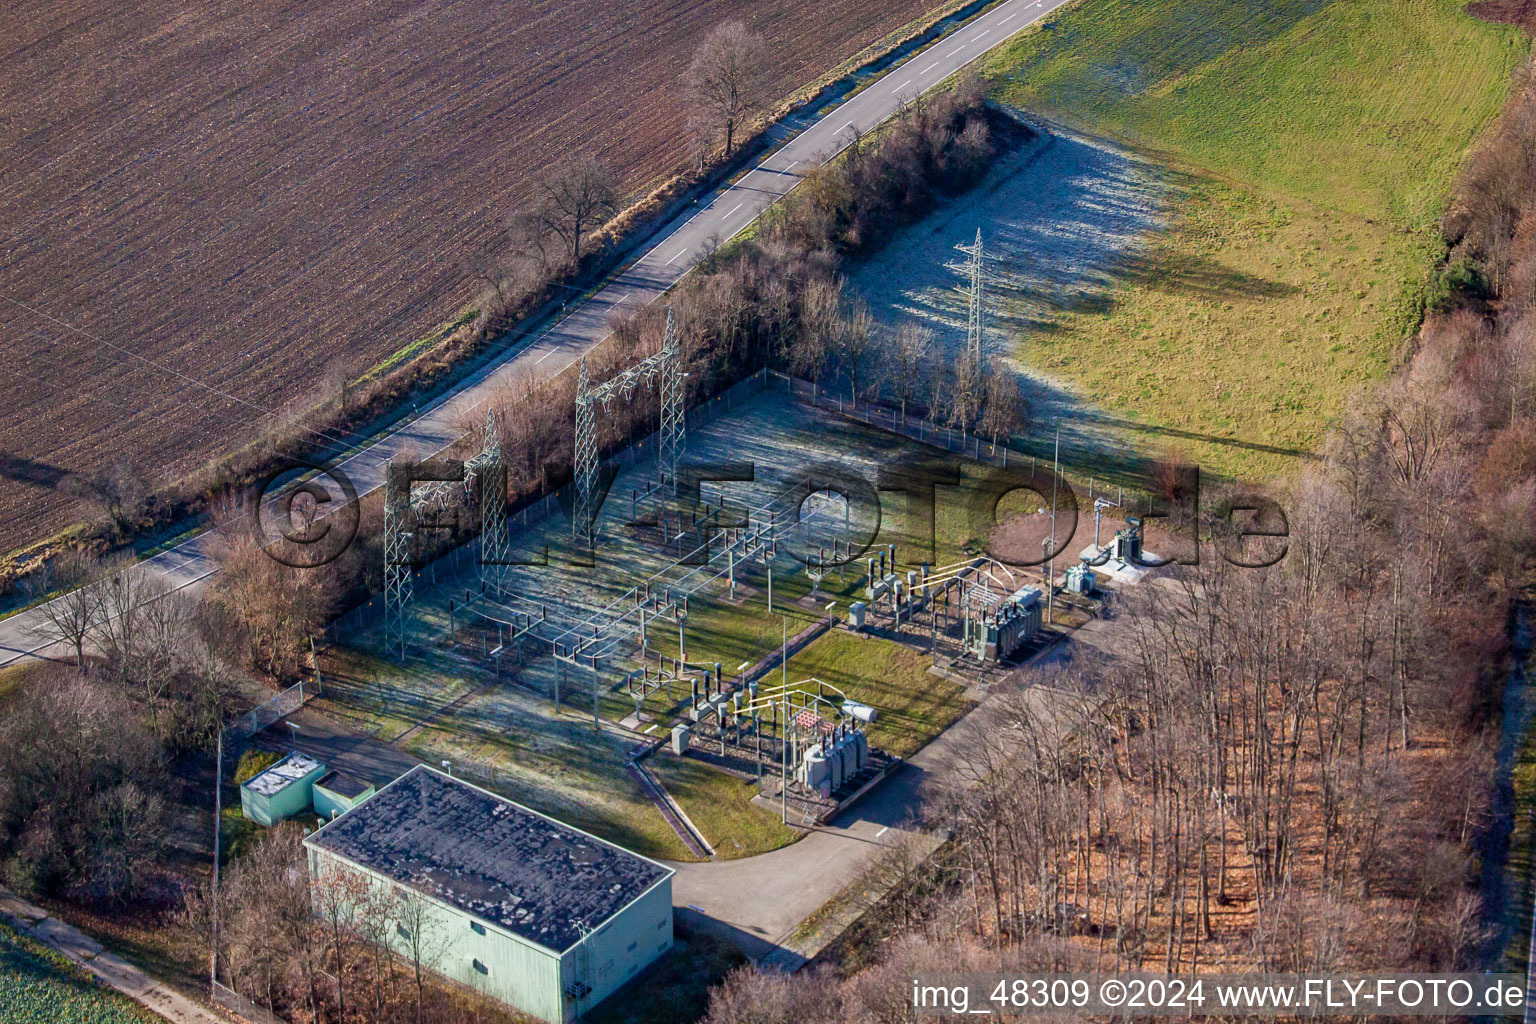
<point x="477" y="927"/>
<point x="480" y="968"/>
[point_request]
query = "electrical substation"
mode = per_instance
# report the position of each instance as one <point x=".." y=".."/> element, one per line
<point x="581" y="652"/>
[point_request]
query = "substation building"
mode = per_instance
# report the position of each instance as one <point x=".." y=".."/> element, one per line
<point x="281" y="791"/>
<point x="335" y="794"/>
<point x="534" y="913"/>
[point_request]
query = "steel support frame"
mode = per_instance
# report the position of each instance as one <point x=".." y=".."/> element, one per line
<point x="485" y="477"/>
<point x="664" y="368"/>
<point x="974" y="309"/>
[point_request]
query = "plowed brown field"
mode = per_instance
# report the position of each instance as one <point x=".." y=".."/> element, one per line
<point x="251" y="193"/>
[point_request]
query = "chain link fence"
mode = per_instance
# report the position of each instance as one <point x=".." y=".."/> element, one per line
<point x="285" y="703"/>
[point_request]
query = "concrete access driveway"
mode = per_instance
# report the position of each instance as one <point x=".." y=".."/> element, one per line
<point x="759" y="902"/>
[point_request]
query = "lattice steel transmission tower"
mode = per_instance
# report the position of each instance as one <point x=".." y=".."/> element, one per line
<point x="665" y="368"/>
<point x="397" y="555"/>
<point x="674" y="419"/>
<point x="487" y="473"/>
<point x="975" y="311"/>
<point x="485" y="478"/>
<point x="585" y="460"/>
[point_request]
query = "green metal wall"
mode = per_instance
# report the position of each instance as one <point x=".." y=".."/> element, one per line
<point x="328" y="805"/>
<point x="518" y="973"/>
<point x="622" y="948"/>
<point x="294" y="798"/>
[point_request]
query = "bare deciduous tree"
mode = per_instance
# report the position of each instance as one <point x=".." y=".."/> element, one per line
<point x="821" y="322"/>
<point x="335" y="895"/>
<point x="117" y="493"/>
<point x="424" y="939"/>
<point x="276" y="607"/>
<point x="74" y="614"/>
<point x="725" y="83"/>
<point x="1002" y="407"/>
<point x="908" y="357"/>
<point x="575" y="196"/>
<point x="858" y="343"/>
<point x="79" y="807"/>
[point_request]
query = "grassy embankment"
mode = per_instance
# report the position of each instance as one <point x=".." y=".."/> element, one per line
<point x="719" y="805"/>
<point x="1312" y="146"/>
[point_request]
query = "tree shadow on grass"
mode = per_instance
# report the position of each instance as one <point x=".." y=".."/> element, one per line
<point x="1070" y="223"/>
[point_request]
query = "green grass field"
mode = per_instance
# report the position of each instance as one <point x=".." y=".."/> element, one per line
<point x="1312" y="147"/>
<point x="37" y="984"/>
<point x="914" y="705"/>
<point x="721" y="807"/>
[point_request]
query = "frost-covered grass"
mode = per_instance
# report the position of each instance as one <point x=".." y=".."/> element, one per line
<point x="1310" y="146"/>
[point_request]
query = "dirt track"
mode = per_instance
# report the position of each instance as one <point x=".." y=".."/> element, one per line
<point x="258" y="195"/>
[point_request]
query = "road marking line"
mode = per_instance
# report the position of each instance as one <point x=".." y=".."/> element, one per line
<point x="792" y="166"/>
<point x="734" y="209"/>
<point x="676" y="257"/>
<point x="545" y="356"/>
<point x="903" y="85"/>
<point x="929" y="68"/>
<point x="982" y="33"/>
<point x="845" y="127"/>
<point x="882" y="832"/>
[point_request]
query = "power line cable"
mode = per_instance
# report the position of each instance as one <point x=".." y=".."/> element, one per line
<point x="332" y="438"/>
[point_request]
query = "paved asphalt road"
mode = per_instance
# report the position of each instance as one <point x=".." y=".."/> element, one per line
<point x="684" y="243"/>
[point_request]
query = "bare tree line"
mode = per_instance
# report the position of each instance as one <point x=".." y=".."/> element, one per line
<point x="334" y="948"/>
<point x="88" y="748"/>
<point x="779" y="300"/>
